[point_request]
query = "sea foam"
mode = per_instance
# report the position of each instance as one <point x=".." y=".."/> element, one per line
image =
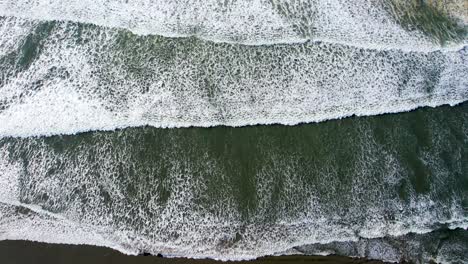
<point x="364" y="23"/>
<point x="75" y="66"/>
<point x="64" y="78"/>
<point x="175" y="192"/>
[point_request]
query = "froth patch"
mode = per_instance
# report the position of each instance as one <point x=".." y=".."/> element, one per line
<point x="34" y="224"/>
<point x="362" y="23"/>
<point x="180" y="192"/>
<point x="90" y="78"/>
<point x="441" y="246"/>
<point x="13" y="31"/>
<point x="9" y="176"/>
<point x="53" y="111"/>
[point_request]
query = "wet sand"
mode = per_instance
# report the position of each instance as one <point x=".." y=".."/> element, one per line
<point x="26" y="252"/>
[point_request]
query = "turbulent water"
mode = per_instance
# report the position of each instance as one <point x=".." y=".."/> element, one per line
<point x="126" y="124"/>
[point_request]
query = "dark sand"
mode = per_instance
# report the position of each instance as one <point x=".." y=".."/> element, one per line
<point x="22" y="252"/>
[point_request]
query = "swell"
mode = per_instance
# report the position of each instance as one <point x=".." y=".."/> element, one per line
<point x="363" y="23"/>
<point x="64" y="78"/>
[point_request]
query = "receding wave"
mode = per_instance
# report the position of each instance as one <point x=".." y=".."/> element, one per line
<point x="65" y="77"/>
<point x="365" y="23"/>
<point x="375" y="187"/>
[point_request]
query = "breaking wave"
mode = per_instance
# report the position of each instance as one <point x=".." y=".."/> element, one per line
<point x="64" y="78"/>
<point x="364" y="23"/>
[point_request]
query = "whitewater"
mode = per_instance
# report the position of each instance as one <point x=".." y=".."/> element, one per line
<point x="175" y="193"/>
<point x="80" y="77"/>
<point x="103" y="106"/>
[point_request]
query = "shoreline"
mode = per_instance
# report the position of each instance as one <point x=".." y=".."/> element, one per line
<point x="21" y="251"/>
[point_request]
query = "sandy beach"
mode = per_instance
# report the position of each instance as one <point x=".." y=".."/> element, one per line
<point x="26" y="252"/>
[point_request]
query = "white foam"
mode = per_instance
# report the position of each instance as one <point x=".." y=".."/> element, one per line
<point x="101" y="85"/>
<point x="107" y="78"/>
<point x="9" y="175"/>
<point x="363" y="23"/>
<point x="41" y="226"/>
<point x="13" y="32"/>
<point x="76" y="178"/>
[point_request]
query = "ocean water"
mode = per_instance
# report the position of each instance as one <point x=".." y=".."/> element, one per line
<point x="236" y="129"/>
